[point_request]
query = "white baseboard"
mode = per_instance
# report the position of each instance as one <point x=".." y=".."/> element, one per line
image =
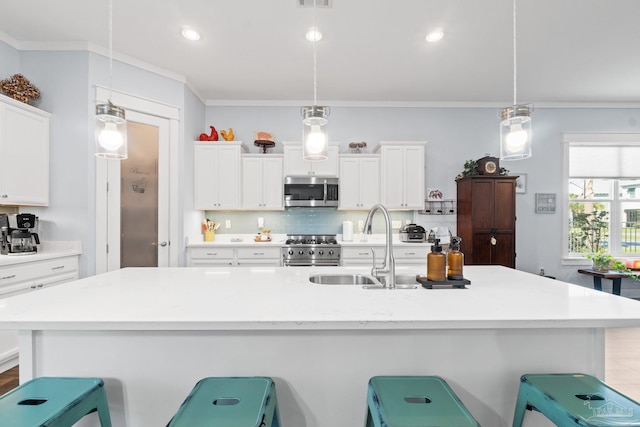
<point x="8" y="360"/>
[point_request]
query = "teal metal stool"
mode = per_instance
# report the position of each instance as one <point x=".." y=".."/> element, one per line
<point x="229" y="402"/>
<point x="415" y="402"/>
<point x="54" y="402"/>
<point x="571" y="400"/>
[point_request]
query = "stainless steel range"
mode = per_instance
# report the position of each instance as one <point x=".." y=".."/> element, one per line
<point x="310" y="250"/>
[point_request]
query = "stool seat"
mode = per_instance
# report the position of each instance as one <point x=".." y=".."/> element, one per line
<point x="229" y="402"/>
<point x="54" y="402"/>
<point x="575" y="400"/>
<point x="415" y="401"/>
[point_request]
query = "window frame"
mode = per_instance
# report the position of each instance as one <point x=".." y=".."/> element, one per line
<point x="615" y="202"/>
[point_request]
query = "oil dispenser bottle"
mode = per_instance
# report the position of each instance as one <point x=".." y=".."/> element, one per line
<point x="455" y="259"/>
<point x="436" y="263"/>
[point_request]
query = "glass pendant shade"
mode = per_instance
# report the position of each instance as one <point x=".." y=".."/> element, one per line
<point x="515" y="132"/>
<point x="315" y="139"/>
<point x="111" y="132"/>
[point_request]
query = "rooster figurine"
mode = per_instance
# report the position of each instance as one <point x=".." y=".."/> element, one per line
<point x="212" y="137"/>
<point x="228" y="136"/>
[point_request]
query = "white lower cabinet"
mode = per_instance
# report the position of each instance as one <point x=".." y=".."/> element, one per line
<point x="28" y="277"/>
<point x="246" y="256"/>
<point x="407" y="256"/>
<point x="257" y="256"/>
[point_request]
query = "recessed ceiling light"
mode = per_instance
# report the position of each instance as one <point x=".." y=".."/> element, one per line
<point x="435" y="36"/>
<point x="190" y="34"/>
<point x="313" y="35"/>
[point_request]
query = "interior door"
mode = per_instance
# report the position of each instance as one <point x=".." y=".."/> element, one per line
<point x="138" y="207"/>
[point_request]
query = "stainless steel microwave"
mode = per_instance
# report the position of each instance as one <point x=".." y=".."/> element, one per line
<point x="312" y="191"/>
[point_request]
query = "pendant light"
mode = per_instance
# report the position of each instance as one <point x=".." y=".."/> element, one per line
<point x="111" y="126"/>
<point x="315" y="140"/>
<point x="515" y="125"/>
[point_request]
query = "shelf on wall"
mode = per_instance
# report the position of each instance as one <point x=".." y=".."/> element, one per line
<point x="439" y="207"/>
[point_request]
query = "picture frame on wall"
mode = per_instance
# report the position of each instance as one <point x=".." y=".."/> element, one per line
<point x="545" y="203"/>
<point x="521" y="183"/>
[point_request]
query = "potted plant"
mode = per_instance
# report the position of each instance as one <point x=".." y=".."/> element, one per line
<point x="602" y="261"/>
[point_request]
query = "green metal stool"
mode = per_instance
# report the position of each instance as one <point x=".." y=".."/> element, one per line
<point x="54" y="402"/>
<point x="571" y="400"/>
<point x="229" y="402"/>
<point x="415" y="402"/>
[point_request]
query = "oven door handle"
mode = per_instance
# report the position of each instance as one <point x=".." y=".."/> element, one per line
<point x="325" y="191"/>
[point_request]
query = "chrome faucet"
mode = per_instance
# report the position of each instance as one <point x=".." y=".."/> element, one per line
<point x="388" y="269"/>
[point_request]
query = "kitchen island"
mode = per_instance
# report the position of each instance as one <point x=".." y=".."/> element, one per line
<point x="153" y="333"/>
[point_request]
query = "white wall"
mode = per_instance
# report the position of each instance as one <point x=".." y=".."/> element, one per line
<point x="10" y="63"/>
<point x="455" y="135"/>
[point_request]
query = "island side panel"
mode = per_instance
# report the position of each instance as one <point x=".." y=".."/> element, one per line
<point x="321" y="376"/>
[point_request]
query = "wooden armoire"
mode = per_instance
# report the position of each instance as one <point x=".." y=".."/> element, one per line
<point x="487" y="219"/>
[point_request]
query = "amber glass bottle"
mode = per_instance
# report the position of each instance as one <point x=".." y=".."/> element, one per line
<point x="455" y="260"/>
<point x="436" y="263"/>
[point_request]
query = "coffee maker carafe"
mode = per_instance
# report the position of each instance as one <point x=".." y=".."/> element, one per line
<point x="18" y="234"/>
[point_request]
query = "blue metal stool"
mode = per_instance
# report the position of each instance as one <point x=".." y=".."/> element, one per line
<point x="54" y="402"/>
<point x="415" y="402"/>
<point x="571" y="400"/>
<point x="229" y="402"/>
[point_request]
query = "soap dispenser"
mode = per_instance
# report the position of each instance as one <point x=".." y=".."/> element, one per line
<point x="436" y="263"/>
<point x="455" y="260"/>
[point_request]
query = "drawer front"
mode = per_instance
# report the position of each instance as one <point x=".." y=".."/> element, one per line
<point x="212" y="253"/>
<point x="211" y="263"/>
<point x="33" y="270"/>
<point x="256" y="253"/>
<point x="14" y="277"/>
<point x="362" y="252"/>
<point x="413" y="253"/>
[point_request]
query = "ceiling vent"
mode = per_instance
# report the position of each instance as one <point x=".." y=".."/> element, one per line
<point x="319" y="3"/>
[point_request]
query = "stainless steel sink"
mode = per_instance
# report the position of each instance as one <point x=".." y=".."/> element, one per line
<point x="405" y="279"/>
<point x="342" y="279"/>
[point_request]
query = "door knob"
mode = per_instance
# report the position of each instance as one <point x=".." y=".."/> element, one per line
<point x="160" y="244"/>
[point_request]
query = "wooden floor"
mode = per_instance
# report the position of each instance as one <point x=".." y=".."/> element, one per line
<point x="9" y="380"/>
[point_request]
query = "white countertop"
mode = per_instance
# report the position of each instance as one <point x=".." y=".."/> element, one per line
<point x="282" y="298"/>
<point x="278" y="240"/>
<point x="46" y="250"/>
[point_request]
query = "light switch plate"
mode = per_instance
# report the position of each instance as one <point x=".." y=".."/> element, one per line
<point x="396" y="224"/>
<point x="227" y="223"/>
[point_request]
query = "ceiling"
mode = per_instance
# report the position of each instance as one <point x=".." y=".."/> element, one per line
<point x="373" y="51"/>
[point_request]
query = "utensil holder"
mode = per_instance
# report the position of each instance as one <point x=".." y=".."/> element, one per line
<point x="209" y="236"/>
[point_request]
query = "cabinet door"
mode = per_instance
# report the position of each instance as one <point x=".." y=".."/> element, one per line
<point x="328" y="167"/>
<point x="350" y="183"/>
<point x="413" y="171"/>
<point x="294" y="164"/>
<point x="369" y="182"/>
<point x="272" y="184"/>
<point x="228" y="177"/>
<point x="24" y="143"/>
<point x="252" y="185"/>
<point x="392" y="177"/>
<point x="205" y="177"/>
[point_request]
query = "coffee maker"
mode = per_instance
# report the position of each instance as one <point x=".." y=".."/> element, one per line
<point x="18" y="234"/>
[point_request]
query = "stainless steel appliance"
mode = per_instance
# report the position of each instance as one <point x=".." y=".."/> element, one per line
<point x="18" y="234"/>
<point x="412" y="233"/>
<point x="311" y="250"/>
<point x="312" y="191"/>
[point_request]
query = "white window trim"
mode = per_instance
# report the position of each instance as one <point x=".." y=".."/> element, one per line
<point x="596" y="137"/>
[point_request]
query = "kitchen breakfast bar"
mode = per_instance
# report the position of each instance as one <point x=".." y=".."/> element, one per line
<point x="151" y="334"/>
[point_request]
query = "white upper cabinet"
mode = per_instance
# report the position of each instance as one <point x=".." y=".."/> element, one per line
<point x="295" y="165"/>
<point x="262" y="182"/>
<point x="402" y="174"/>
<point x="24" y="154"/>
<point x="359" y="181"/>
<point x="217" y="174"/>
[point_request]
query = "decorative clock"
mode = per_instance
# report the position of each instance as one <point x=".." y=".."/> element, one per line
<point x="488" y="166"/>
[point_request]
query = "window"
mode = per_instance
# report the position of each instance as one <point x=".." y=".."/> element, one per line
<point x="602" y="207"/>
